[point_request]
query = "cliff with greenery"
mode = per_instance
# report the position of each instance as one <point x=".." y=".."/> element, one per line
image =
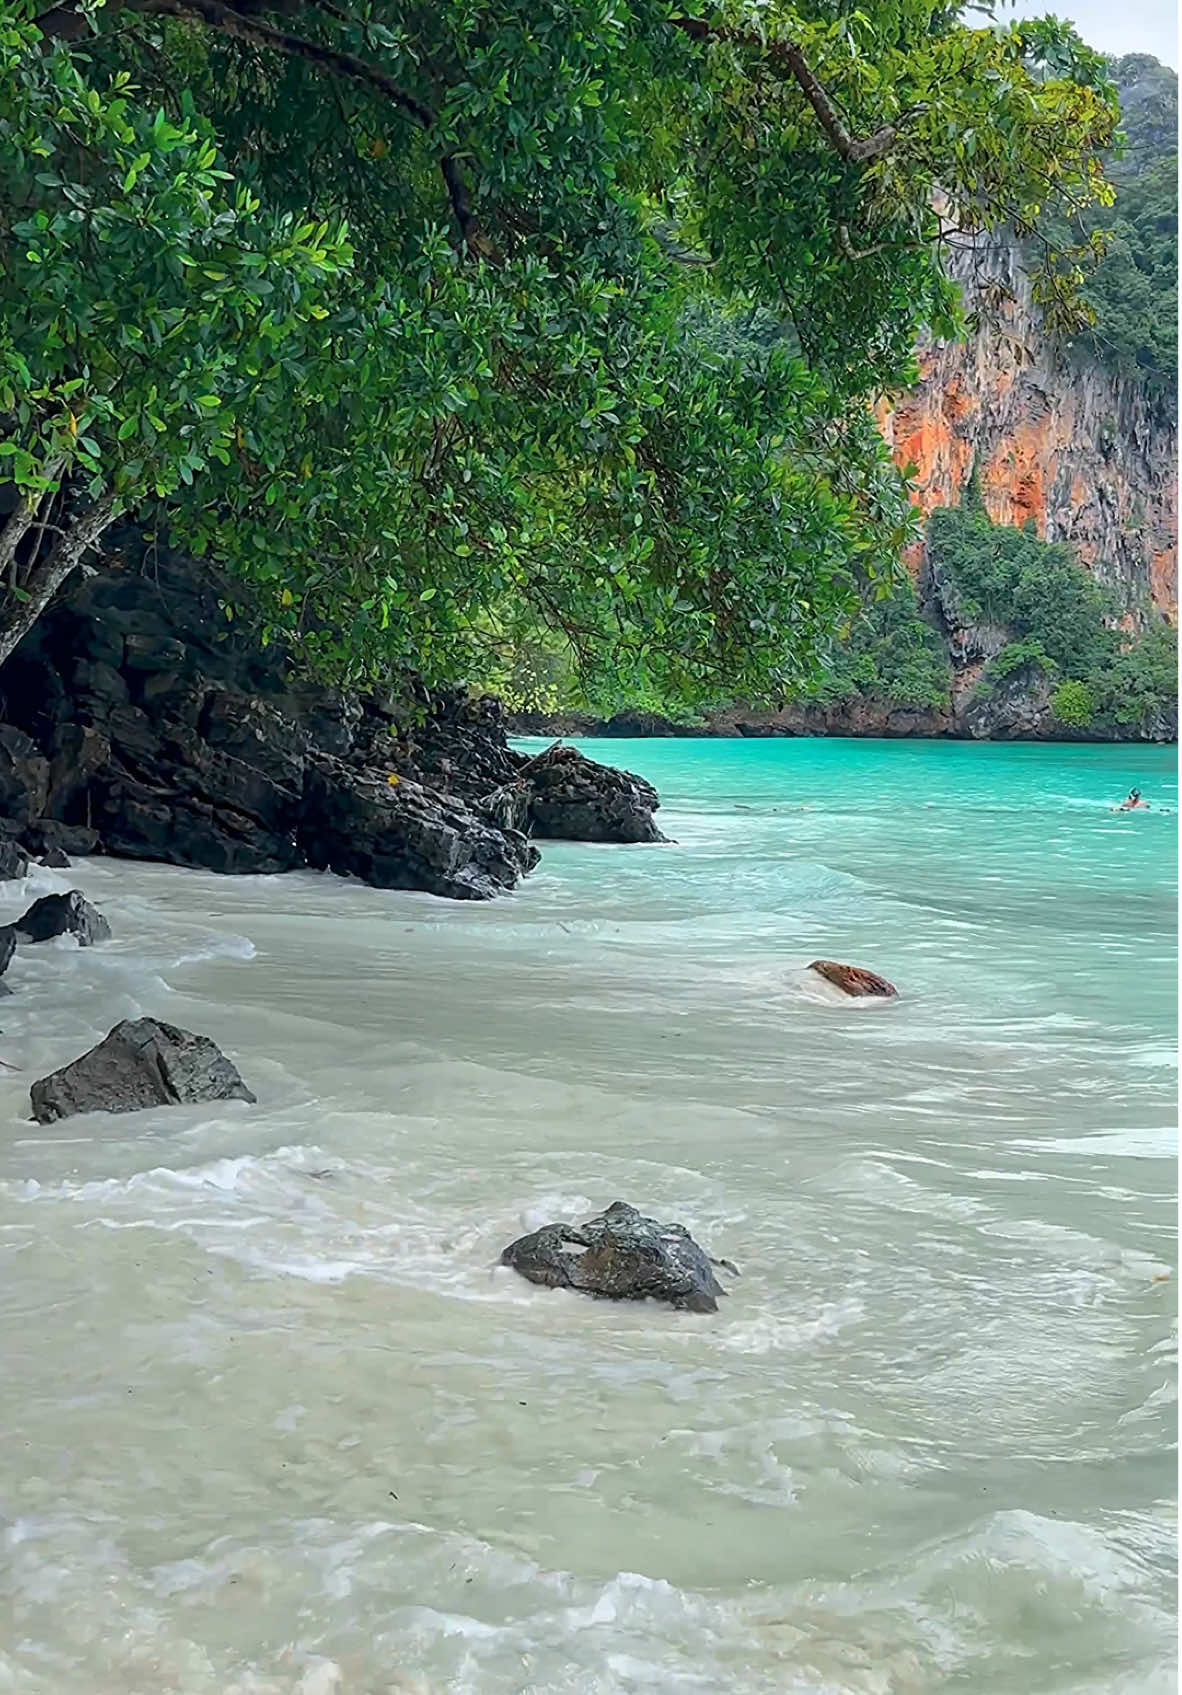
<point x="1076" y="433"/>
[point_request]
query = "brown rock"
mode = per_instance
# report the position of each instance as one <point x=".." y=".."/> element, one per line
<point x="853" y="979"/>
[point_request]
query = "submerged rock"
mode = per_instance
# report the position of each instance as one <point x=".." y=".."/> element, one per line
<point x="141" y="1063"/>
<point x="7" y="949"/>
<point x="568" y="797"/>
<point x="853" y="979"/>
<point x="61" y="915"/>
<point x="620" y="1255"/>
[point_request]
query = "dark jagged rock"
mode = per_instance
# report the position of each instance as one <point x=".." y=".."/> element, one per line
<point x="55" y="858"/>
<point x="571" y="798"/>
<point x="24" y="776"/>
<point x="63" y="915"/>
<point x="140" y="1063"/>
<point x="622" y="1256"/>
<point x="14" y="861"/>
<point x="7" y="947"/>
<point x="852" y="979"/>
<point x="48" y="836"/>
<point x="142" y="724"/>
<point x="402" y="836"/>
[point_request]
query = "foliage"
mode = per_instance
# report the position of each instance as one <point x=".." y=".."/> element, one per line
<point x="1016" y="656"/>
<point x="1073" y="704"/>
<point x="503" y="392"/>
<point x="889" y="654"/>
<point x="1060" y="620"/>
<point x="1141" y="684"/>
<point x="1032" y="588"/>
<point x="1133" y="291"/>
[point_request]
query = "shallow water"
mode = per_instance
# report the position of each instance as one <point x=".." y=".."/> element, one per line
<point x="273" y="1424"/>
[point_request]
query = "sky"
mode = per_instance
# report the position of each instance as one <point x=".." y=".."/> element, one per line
<point x="1132" y="26"/>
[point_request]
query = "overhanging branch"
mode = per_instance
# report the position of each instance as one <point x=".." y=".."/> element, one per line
<point x="63" y="22"/>
<point x="855" y="150"/>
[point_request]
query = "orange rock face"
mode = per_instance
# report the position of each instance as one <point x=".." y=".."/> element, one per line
<point x="1054" y="437"/>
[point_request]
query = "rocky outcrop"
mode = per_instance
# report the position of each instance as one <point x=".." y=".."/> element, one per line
<point x="561" y="795"/>
<point x="620" y="1255"/>
<point x="853" y="980"/>
<point x="140" y="1063"/>
<point x="395" y="834"/>
<point x="1055" y="435"/>
<point x="136" y="721"/>
<point x="574" y="799"/>
<point x="14" y="862"/>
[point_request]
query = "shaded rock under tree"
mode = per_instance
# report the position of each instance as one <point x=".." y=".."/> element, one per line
<point x="620" y="1255"/>
<point x="62" y="915"/>
<point x="853" y="980"/>
<point x="139" y="722"/>
<point x="402" y="836"/>
<point x="574" y="799"/>
<point x="140" y="1063"/>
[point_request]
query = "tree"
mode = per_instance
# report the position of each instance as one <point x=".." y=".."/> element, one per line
<point x="150" y="313"/>
<point x="510" y="407"/>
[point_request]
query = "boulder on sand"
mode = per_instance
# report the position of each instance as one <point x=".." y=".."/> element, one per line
<point x="61" y="915"/>
<point x="141" y="1063"/>
<point x="620" y="1255"/>
<point x="852" y="979"/>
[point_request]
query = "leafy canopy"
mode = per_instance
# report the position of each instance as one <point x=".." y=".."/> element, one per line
<point x="417" y="315"/>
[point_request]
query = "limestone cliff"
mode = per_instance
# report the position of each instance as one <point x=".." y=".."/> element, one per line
<point x="1056" y="433"/>
<point x="1089" y="455"/>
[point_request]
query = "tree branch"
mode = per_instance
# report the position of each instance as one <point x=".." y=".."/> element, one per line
<point x="61" y="22"/>
<point x="855" y="150"/>
<point x="45" y="579"/>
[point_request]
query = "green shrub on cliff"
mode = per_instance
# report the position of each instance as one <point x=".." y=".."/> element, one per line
<point x="1133" y="291"/>
<point x="1059" y="618"/>
<point x="891" y="654"/>
<point x="1074" y="704"/>
<point x="1035" y="589"/>
<point x="1140" y="684"/>
<point x="509" y="398"/>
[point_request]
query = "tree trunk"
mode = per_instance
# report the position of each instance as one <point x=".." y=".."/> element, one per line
<point x="16" y="527"/>
<point x="17" y="617"/>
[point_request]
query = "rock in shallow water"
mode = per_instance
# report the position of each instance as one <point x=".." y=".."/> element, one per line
<point x="853" y="979"/>
<point x="622" y="1256"/>
<point x="402" y="836"/>
<point x="573" y="799"/>
<point x="141" y="1063"/>
<point x="14" y="861"/>
<point x="61" y="915"/>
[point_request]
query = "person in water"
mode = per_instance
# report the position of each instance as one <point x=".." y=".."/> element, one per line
<point x="1133" y="802"/>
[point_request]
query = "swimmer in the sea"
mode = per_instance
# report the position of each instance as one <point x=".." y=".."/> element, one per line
<point x="1134" y="801"/>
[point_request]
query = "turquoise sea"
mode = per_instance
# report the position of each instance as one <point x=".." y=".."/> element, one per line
<point x="276" y="1424"/>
